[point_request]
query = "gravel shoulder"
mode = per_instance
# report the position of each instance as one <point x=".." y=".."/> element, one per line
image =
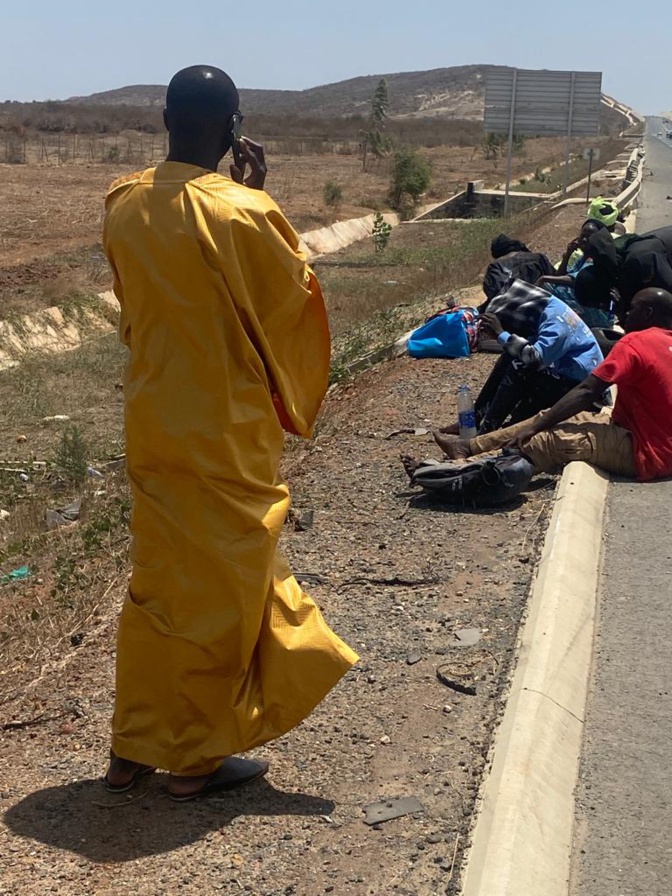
<point x="399" y="579"/>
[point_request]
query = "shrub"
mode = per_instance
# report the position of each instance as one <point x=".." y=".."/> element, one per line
<point x="71" y="456"/>
<point x="332" y="194"/>
<point x="410" y="178"/>
<point x="381" y="232"/>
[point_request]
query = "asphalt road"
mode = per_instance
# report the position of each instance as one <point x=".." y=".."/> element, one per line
<point x="623" y="845"/>
<point x="656" y="208"/>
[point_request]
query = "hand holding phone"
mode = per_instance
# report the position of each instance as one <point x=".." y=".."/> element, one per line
<point x="246" y="152"/>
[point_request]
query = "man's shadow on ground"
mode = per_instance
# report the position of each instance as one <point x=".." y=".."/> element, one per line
<point x="84" y="819"/>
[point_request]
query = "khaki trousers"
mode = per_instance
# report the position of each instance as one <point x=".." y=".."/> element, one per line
<point x="587" y="436"/>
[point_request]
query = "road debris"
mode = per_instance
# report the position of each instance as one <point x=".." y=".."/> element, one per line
<point x="467" y="637"/>
<point x="376" y="813"/>
<point x="64" y="516"/>
<point x="16" y="575"/>
<point x="458" y="678"/>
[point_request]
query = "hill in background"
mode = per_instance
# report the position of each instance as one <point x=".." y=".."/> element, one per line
<point x="457" y="92"/>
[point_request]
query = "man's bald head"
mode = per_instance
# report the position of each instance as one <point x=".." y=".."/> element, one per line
<point x="651" y="307"/>
<point x="200" y="101"/>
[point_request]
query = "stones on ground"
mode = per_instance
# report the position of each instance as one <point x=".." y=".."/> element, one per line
<point x="305" y="521"/>
<point x="467" y="637"/>
<point x="414" y="657"/>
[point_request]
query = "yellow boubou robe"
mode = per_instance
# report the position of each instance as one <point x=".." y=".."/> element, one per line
<point x="219" y="650"/>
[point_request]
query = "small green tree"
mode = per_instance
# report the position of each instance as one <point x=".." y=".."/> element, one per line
<point x="332" y="194"/>
<point x="373" y="141"/>
<point x="71" y="455"/>
<point x="492" y="146"/>
<point x="381" y="232"/>
<point x="410" y="178"/>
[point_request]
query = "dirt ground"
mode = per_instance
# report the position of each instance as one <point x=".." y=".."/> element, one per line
<point x="398" y="578"/>
<point x="51" y="215"/>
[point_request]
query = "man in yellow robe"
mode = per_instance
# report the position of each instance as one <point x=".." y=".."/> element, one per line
<point x="219" y="650"/>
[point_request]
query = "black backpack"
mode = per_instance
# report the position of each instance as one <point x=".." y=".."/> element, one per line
<point x="488" y="482"/>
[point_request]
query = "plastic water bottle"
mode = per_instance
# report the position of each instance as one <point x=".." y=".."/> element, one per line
<point x="466" y="415"/>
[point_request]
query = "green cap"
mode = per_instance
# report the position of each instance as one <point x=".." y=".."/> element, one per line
<point x="604" y="210"/>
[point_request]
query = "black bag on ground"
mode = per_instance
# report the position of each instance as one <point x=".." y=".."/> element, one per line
<point x="488" y="482"/>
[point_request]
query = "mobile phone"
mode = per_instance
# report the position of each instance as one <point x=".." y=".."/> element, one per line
<point x="236" y="134"/>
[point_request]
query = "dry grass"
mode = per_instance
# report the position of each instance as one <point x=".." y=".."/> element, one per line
<point x="51" y="215"/>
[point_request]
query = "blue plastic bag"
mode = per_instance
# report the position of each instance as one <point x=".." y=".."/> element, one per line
<point x="446" y="335"/>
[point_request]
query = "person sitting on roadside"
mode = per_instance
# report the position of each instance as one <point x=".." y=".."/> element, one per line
<point x="595" y="304"/>
<point x="608" y="213"/>
<point x="511" y="260"/>
<point x="547" y="351"/>
<point x="636" y="439"/>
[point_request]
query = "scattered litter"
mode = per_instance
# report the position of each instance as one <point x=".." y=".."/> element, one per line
<point x="94" y="474"/>
<point x="385" y="740"/>
<point x="56" y="418"/>
<point x="4" y="515"/>
<point x="467" y="637"/>
<point x="417" y="431"/>
<point x="413" y="658"/>
<point x="15" y="575"/>
<point x="310" y="578"/>
<point x="99" y="492"/>
<point x="64" y="516"/>
<point x="387" y="810"/>
<point x="24" y="477"/>
<point x="457" y="677"/>
<point x="21" y="439"/>
<point x="395" y="282"/>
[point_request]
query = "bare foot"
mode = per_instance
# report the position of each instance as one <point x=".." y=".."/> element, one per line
<point x="453" y="446"/>
<point x="452" y="430"/>
<point x="411" y="464"/>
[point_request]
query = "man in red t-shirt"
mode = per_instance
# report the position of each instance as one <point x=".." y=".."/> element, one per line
<point x="634" y="440"/>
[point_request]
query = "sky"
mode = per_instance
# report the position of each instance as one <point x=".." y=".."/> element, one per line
<point x="56" y="50"/>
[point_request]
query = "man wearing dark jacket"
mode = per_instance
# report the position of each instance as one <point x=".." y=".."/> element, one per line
<point x="512" y="259"/>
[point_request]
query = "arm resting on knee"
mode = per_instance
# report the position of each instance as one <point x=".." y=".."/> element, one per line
<point x="581" y="398"/>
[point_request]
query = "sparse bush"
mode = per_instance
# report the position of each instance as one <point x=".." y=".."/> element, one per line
<point x="492" y="146"/>
<point x="112" y="153"/>
<point x="410" y="178"/>
<point x="332" y="194"/>
<point x="381" y="232"/>
<point x="71" y="455"/>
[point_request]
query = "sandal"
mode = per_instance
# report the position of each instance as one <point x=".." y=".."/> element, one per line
<point x="232" y="773"/>
<point x="139" y="771"/>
